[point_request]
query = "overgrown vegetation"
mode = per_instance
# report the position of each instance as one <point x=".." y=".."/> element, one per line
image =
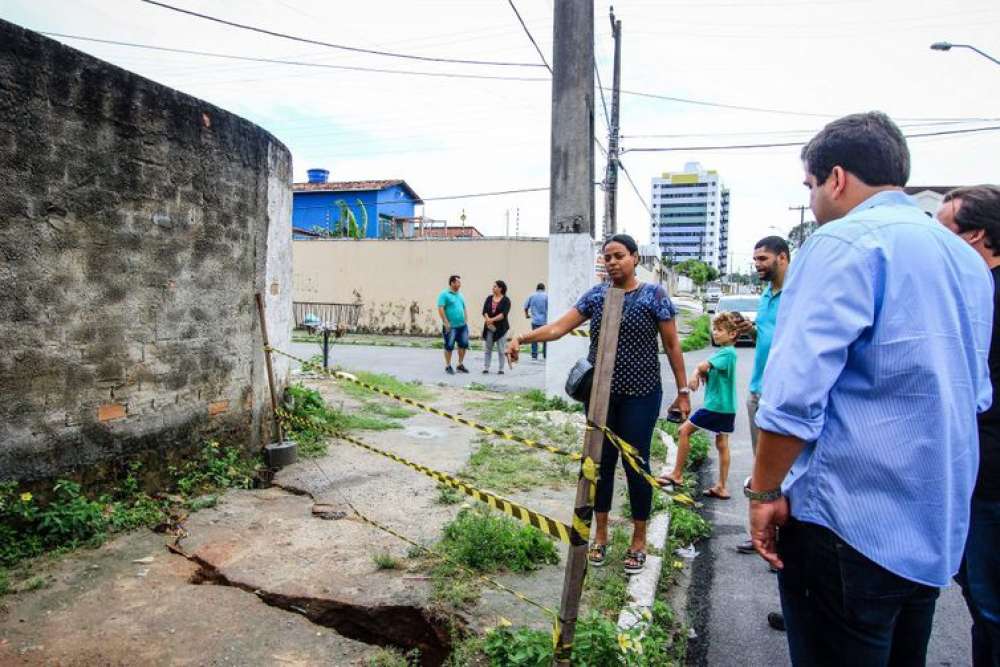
<point x="414" y="390"/>
<point x="700" y="336"/>
<point x="598" y="641"/>
<point x="385" y="561"/>
<point x="485" y="542"/>
<point x="606" y="588"/>
<point x="313" y="420"/>
<point x="70" y="518"/>
<point x="391" y="657"/>
<point x="502" y="466"/>
<point x="687" y="526"/>
<point x="448" y="495"/>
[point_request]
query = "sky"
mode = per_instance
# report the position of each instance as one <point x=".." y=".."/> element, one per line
<point x="450" y="136"/>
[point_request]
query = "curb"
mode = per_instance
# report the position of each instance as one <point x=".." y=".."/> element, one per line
<point x="642" y="587"/>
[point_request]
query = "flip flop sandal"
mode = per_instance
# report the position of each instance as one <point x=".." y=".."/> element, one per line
<point x="638" y="560"/>
<point x="597" y="554"/>
<point x="712" y="493"/>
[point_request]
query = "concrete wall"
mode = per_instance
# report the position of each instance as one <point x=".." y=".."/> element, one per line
<point x="399" y="281"/>
<point x="136" y="224"/>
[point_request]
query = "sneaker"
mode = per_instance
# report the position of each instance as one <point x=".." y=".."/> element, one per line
<point x="776" y="620"/>
<point x="499" y="372"/>
<point x="486" y="371"/>
<point x="746" y="547"/>
<point x="461" y="368"/>
<point x="449" y="370"/>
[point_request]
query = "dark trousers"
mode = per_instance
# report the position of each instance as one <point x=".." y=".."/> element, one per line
<point x="979" y="578"/>
<point x="534" y="346"/>
<point x="843" y="609"/>
<point x="633" y="418"/>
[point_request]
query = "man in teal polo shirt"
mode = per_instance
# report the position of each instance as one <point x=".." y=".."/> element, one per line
<point x="770" y="257"/>
<point x="454" y="323"/>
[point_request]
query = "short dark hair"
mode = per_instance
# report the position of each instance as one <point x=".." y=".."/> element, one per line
<point x="774" y="244"/>
<point x="868" y="145"/>
<point x="502" y="285"/>
<point x="540" y="286"/>
<point x="625" y="240"/>
<point x="980" y="209"/>
<point x="452" y="279"/>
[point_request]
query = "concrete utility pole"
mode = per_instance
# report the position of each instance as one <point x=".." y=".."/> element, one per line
<point x="571" y="207"/>
<point x="611" y="177"/>
<point x="802" y="212"/>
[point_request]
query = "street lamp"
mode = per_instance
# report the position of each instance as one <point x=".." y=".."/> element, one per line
<point x="948" y="46"/>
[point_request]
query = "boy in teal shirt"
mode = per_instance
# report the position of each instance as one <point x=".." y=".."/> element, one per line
<point x="719" y="411"/>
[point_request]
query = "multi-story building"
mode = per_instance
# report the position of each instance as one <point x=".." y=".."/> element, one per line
<point x="691" y="216"/>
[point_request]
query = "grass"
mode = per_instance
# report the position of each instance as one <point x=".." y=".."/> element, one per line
<point x="687" y="526"/>
<point x="391" y="657"/>
<point x="314" y="421"/>
<point x="503" y="467"/>
<point x="484" y="542"/>
<point x="385" y="561"/>
<point x="700" y="336"/>
<point x="413" y="390"/>
<point x="448" y="496"/>
<point x="606" y="588"/>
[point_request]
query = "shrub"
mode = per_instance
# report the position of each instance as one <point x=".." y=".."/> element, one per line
<point x="700" y="336"/>
<point x="491" y="542"/>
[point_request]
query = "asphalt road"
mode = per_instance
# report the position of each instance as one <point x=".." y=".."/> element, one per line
<point x="731" y="594"/>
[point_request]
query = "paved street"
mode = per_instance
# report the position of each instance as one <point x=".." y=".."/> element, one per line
<point x="731" y="593"/>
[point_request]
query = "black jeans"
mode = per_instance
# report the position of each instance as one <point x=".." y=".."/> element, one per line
<point x="843" y="609"/>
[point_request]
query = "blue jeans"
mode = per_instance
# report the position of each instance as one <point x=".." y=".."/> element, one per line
<point x="534" y="346"/>
<point x="459" y="335"/>
<point x="979" y="578"/>
<point x="843" y="609"/>
<point x="633" y="418"/>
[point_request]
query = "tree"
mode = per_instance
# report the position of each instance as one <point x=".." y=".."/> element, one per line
<point x="699" y="272"/>
<point x="799" y="233"/>
<point x="347" y="226"/>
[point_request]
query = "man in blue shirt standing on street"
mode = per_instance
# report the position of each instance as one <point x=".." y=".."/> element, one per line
<point x="536" y="308"/>
<point x="868" y="453"/>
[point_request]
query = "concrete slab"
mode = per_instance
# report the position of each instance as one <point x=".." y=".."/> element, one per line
<point x="102" y="608"/>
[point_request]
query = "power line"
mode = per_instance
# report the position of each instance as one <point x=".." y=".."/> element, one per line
<point x="604" y="103"/>
<point x="297" y="63"/>
<point x="486" y="194"/>
<point x="797" y="143"/>
<point x="746" y="133"/>
<point x="355" y="49"/>
<point x="528" y="33"/>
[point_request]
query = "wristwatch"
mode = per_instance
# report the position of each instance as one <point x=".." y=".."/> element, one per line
<point x="761" y="496"/>
<point x="684" y="390"/>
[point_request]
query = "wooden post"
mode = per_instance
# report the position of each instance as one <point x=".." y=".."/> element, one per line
<point x="600" y="394"/>
<point x="267" y="359"/>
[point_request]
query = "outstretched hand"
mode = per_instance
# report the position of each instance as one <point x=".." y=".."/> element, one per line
<point x="513" y="350"/>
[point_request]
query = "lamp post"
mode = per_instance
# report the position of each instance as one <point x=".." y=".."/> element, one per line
<point x="948" y="46"/>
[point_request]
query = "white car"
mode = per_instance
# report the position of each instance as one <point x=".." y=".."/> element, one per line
<point x="745" y="305"/>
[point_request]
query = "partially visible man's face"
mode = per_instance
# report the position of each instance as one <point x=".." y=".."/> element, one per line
<point x="766" y="263"/>
<point x="822" y="206"/>
<point x="456" y="284"/>
<point x="946" y="215"/>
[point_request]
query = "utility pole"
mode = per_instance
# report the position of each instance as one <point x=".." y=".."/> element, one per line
<point x="517" y="222"/>
<point x="506" y="232"/>
<point x="802" y="212"/>
<point x="571" y="203"/>
<point x="611" y="176"/>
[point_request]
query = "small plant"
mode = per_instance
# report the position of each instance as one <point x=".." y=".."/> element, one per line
<point x="606" y="588"/>
<point x="385" y="561"/>
<point x="502" y="466"/>
<point x="313" y="421"/>
<point x="391" y="657"/>
<point x="491" y="542"/>
<point x="521" y="647"/>
<point x="4" y="582"/>
<point x="687" y="526"/>
<point x="215" y="467"/>
<point x="700" y="335"/>
<point x="447" y="495"/>
<point x="414" y="390"/>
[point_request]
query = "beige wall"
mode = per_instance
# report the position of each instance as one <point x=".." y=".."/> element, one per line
<point x="399" y="281"/>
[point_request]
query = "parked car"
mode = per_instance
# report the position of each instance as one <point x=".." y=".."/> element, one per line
<point x="712" y="296"/>
<point x="744" y="305"/>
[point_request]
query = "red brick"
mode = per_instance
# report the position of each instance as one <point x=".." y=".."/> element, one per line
<point x="110" y="411"/>
<point x="217" y="408"/>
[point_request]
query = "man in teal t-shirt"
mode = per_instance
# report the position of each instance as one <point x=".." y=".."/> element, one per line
<point x="771" y="257"/>
<point x="455" y="328"/>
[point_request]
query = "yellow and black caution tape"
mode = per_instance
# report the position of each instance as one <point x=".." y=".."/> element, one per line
<point x="505" y="435"/>
<point x="580" y="332"/>
<point x="578" y="534"/>
<point x="493" y="582"/>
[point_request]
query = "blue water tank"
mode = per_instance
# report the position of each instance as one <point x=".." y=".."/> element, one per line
<point x="318" y="175"/>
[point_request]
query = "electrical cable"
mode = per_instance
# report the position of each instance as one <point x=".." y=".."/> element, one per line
<point x="342" y="47"/>
<point x="486" y="194"/>
<point x="915" y="135"/>
<point x="297" y="63"/>
<point x="530" y="37"/>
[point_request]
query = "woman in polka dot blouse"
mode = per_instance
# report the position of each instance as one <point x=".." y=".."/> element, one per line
<point x="636" y="391"/>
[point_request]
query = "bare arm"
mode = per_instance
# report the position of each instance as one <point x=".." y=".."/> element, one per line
<point x="554" y="331"/>
<point x="672" y="346"/>
<point x="444" y="319"/>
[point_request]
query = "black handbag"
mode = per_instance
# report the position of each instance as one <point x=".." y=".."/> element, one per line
<point x="580" y="380"/>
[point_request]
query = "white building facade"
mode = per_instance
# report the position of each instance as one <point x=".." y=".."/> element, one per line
<point x="691" y="216"/>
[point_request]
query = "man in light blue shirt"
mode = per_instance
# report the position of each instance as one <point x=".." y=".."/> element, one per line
<point x="536" y="308"/>
<point x="868" y="450"/>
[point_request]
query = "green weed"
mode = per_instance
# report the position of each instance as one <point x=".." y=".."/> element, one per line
<point x="606" y="588"/>
<point x="700" y="336"/>
<point x="489" y="542"/>
<point x="504" y="467"/>
<point x="4" y="582"/>
<point x="390" y="411"/>
<point x="314" y="421"/>
<point x="215" y="467"/>
<point x="687" y="526"/>
<point x="413" y="390"/>
<point x="391" y="657"/>
<point x="448" y="495"/>
<point x="385" y="561"/>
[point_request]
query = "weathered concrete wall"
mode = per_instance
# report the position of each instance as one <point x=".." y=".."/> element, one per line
<point x="136" y="223"/>
<point x="399" y="281"/>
